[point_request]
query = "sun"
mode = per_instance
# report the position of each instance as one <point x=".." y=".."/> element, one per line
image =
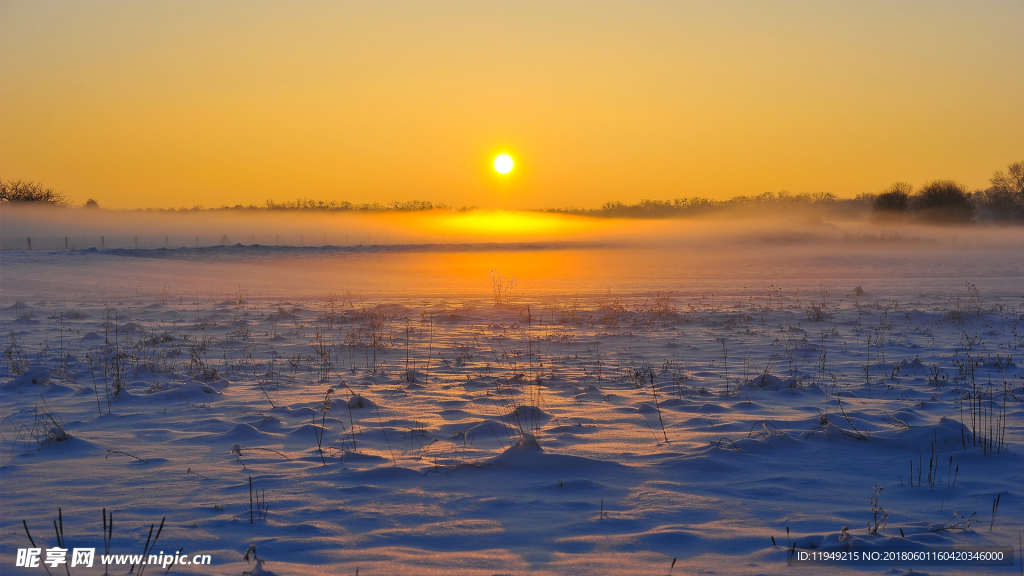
<point x="503" y="163"/>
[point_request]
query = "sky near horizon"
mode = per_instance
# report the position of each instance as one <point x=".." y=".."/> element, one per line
<point x="173" y="104"/>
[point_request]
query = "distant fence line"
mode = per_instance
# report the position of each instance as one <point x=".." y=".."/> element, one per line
<point x="200" y="241"/>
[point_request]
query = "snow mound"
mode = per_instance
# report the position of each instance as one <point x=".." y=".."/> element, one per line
<point x="529" y="415"/>
<point x="524" y="452"/>
<point x="244" y="432"/>
<point x="772" y="382"/>
<point x="527" y="455"/>
<point x="528" y="443"/>
<point x="358" y="401"/>
<point x="645" y="408"/>
<point x="40" y="376"/>
<point x="177" y="389"/>
<point x="281" y="314"/>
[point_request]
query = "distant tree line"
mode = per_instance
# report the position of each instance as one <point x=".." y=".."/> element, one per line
<point x="948" y="201"/>
<point x="695" y="206"/>
<point x="939" y="201"/>
<point x="307" y="204"/>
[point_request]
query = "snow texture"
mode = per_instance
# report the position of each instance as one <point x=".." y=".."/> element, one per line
<point x="405" y="428"/>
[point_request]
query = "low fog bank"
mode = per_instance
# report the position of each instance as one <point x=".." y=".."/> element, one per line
<point x="450" y="254"/>
<point x="50" y="228"/>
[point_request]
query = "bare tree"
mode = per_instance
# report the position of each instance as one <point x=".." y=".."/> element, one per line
<point x="893" y="203"/>
<point x="1012" y="182"/>
<point x="1004" y="200"/>
<point x="25" y="191"/>
<point x="895" y="198"/>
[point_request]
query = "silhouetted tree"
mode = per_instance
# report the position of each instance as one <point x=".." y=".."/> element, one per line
<point x="998" y="205"/>
<point x="34" y="192"/>
<point x="1004" y="200"/>
<point x="943" y="201"/>
<point x="1011" y="182"/>
<point x="895" y="198"/>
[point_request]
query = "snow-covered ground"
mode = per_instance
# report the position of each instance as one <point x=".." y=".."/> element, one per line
<point x="615" y="411"/>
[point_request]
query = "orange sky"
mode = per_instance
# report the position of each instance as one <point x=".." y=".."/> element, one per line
<point x="170" y="104"/>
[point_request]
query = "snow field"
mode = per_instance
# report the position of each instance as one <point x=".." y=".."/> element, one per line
<point x="546" y="435"/>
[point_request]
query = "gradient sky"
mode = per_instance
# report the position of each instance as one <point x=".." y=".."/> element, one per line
<point x="170" y="104"/>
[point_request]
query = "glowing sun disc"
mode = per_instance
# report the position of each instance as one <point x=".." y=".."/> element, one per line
<point x="503" y="163"/>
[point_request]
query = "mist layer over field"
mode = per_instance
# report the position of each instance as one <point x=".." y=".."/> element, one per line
<point x="439" y="252"/>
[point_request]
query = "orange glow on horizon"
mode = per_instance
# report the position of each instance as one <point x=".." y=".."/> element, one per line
<point x="505" y="225"/>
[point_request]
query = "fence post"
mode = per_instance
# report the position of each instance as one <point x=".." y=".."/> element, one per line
<point x="29" y="242"/>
